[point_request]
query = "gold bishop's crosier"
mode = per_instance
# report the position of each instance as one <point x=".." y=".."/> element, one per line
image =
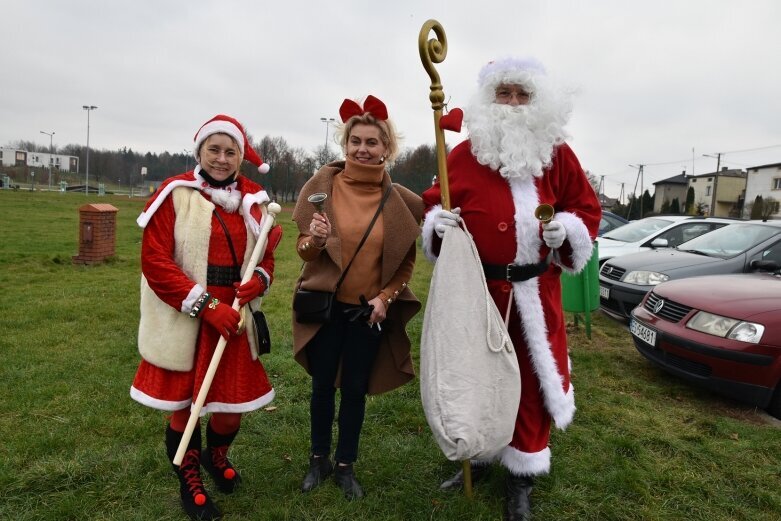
<point x="433" y="51"/>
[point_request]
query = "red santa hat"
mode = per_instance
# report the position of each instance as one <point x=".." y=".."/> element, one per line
<point x="222" y="124"/>
<point x="513" y="70"/>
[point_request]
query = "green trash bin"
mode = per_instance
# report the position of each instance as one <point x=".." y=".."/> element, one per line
<point x="580" y="292"/>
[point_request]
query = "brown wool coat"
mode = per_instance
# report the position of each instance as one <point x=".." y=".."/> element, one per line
<point x="401" y="217"/>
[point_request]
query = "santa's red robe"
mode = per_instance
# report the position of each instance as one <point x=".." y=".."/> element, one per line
<point x="499" y="213"/>
<point x="174" y="254"/>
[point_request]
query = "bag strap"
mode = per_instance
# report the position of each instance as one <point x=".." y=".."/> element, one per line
<point x="365" y="235"/>
<point x="228" y="236"/>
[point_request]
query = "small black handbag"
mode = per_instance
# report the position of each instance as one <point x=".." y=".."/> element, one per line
<point x="313" y="307"/>
<point x="262" y="332"/>
<point x="316" y="307"/>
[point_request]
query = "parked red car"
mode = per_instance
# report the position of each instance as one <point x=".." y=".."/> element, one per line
<point x="722" y="332"/>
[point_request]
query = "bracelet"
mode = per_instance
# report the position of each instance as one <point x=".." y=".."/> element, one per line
<point x="199" y="304"/>
<point x="213" y="304"/>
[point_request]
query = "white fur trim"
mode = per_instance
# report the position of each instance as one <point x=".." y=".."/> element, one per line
<point x="155" y="403"/>
<point x="579" y="239"/>
<point x="521" y="463"/>
<point x="246" y="205"/>
<point x="560" y="406"/>
<point x="268" y="278"/>
<point x="428" y="233"/>
<point x="238" y="407"/>
<point x="218" y="127"/>
<point x="145" y="216"/>
<point x="192" y="296"/>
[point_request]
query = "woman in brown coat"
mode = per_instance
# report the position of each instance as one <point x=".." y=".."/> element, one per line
<point x="364" y="348"/>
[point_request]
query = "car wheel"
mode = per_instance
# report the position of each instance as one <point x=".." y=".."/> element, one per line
<point x="774" y="409"/>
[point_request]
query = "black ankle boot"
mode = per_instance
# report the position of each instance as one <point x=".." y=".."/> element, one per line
<point x="457" y="481"/>
<point x="215" y="460"/>
<point x="345" y="478"/>
<point x="519" y="506"/>
<point x="195" y="499"/>
<point x="319" y="469"/>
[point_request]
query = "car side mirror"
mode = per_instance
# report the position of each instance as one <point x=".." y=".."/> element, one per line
<point x="764" y="265"/>
<point x="660" y="243"/>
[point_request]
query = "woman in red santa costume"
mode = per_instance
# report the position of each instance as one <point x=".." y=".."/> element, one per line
<point x="514" y="160"/>
<point x="199" y="232"/>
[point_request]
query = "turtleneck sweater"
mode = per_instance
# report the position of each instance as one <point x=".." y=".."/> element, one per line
<point x="356" y="192"/>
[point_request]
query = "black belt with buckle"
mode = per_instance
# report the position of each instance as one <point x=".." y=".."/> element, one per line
<point x="514" y="272"/>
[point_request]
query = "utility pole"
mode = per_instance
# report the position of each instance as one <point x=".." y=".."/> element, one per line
<point x="640" y="179"/>
<point x="718" y="159"/>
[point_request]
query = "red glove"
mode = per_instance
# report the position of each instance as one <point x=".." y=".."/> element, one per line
<point x="251" y="290"/>
<point x="221" y="317"/>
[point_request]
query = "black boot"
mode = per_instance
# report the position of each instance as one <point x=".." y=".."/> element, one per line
<point x="457" y="481"/>
<point x="215" y="460"/>
<point x="345" y="478"/>
<point x="195" y="499"/>
<point x="519" y="506"/>
<point x="320" y="467"/>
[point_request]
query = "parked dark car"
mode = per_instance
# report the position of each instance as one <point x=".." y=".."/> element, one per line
<point x="722" y="332"/>
<point x="610" y="222"/>
<point x="734" y="248"/>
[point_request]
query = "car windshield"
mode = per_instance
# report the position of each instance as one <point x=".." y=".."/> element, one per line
<point x="637" y="230"/>
<point x="730" y="240"/>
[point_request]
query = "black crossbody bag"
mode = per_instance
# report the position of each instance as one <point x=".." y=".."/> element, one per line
<point x="316" y="307"/>
<point x="259" y="318"/>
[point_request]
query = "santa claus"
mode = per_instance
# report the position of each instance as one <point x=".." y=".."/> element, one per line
<point x="515" y="160"/>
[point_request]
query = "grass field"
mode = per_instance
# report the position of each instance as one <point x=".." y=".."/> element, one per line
<point x="73" y="445"/>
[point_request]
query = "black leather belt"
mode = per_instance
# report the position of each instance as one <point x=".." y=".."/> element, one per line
<point x="222" y="275"/>
<point x="514" y="272"/>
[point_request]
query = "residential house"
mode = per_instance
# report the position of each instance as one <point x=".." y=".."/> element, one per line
<point x="763" y="180"/>
<point x="720" y="193"/>
<point x="669" y="189"/>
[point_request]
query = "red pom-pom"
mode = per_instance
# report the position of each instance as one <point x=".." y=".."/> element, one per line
<point x="229" y="474"/>
<point x="199" y="499"/>
<point x="264" y="168"/>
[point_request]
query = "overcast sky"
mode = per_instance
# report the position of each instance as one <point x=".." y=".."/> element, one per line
<point x="660" y="82"/>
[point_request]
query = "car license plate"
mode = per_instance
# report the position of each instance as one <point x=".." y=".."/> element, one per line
<point x="646" y="334"/>
<point x="604" y="292"/>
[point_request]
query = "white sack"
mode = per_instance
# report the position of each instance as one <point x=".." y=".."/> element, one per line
<point x="470" y="383"/>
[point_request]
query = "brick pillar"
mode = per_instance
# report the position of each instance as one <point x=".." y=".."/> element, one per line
<point x="97" y="233"/>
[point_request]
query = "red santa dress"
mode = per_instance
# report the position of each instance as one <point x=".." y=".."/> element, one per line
<point x="499" y="213"/>
<point x="176" y="250"/>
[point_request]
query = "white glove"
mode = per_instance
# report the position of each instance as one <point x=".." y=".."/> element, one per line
<point x="443" y="219"/>
<point x="554" y="233"/>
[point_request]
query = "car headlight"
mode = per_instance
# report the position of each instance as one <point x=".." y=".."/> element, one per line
<point x="645" y="278"/>
<point x="725" y="327"/>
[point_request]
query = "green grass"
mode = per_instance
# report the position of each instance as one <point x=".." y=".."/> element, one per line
<point x="73" y="445"/>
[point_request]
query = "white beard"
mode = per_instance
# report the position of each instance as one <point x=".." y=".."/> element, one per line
<point x="227" y="199"/>
<point x="519" y="141"/>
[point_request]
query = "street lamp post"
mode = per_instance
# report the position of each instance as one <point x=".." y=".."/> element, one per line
<point x="88" y="108"/>
<point x="186" y="160"/>
<point x="51" y="155"/>
<point x="327" y="122"/>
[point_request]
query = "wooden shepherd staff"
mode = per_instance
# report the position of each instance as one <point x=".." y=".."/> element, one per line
<point x="434" y="51"/>
<point x="268" y="219"/>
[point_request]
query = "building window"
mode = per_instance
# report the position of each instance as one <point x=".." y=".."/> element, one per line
<point x="776" y="183"/>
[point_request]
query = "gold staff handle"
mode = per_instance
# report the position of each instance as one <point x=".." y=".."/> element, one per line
<point x="434" y="51"/>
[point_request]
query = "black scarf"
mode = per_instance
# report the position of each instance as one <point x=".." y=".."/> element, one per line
<point x="218" y="184"/>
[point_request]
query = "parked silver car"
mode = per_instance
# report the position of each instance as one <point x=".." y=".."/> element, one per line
<point x="740" y="247"/>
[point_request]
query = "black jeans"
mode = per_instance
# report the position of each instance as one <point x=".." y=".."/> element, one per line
<point x="355" y="345"/>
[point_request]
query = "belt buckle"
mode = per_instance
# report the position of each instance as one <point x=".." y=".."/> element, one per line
<point x="507" y="274"/>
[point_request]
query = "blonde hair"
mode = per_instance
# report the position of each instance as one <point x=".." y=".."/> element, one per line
<point x="388" y="135"/>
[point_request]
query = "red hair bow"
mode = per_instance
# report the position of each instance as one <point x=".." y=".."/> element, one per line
<point x="372" y="105"/>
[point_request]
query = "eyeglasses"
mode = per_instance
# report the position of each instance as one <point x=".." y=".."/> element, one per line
<point x="506" y="93"/>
